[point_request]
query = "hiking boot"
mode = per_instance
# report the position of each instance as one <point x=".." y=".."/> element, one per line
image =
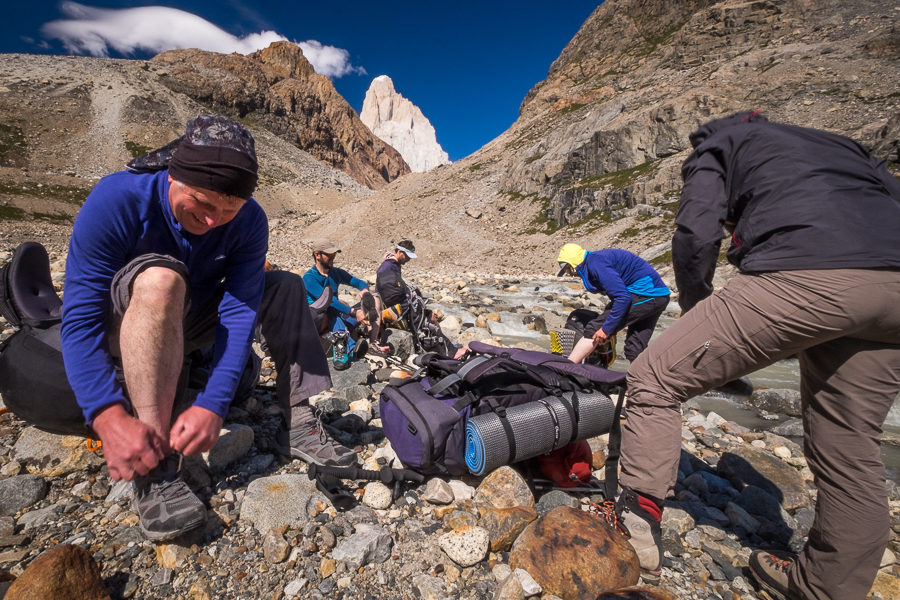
<point x="165" y="504"/>
<point x="643" y="530"/>
<point x="310" y="441"/>
<point x="340" y="357"/>
<point x="771" y="572"/>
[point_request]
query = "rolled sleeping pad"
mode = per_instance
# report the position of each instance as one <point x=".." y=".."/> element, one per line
<point x="535" y="428"/>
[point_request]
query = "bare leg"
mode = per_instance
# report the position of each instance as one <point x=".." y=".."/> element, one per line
<point x="582" y="348"/>
<point x="152" y="345"/>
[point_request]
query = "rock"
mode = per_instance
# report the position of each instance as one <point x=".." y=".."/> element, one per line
<point x="790" y="427"/>
<point x="63" y="572"/>
<point x="172" y="556"/>
<point x="461" y="490"/>
<point x="510" y="589"/>
<point x="52" y="455"/>
<point x="21" y="491"/>
<point x="466" y="545"/>
<point x="636" y="593"/>
<point x="201" y="590"/>
<point x="235" y="440"/>
<point x="370" y="544"/>
<point x="275" y="548"/>
<point x="536" y="322"/>
<point x="504" y="488"/>
<point x="588" y="556"/>
<point x="785" y="402"/>
<point x="747" y="466"/>
<point x="427" y="587"/>
<point x="401" y="341"/>
<point x="272" y="502"/>
<point x="529" y="585"/>
<point x="293" y="589"/>
<point x="378" y="496"/>
<point x="358" y="373"/>
<point x="438" y="491"/>
<point x="886" y="587"/>
<point x="505" y="524"/>
<point x="555" y="498"/>
<point x="35" y="519"/>
<point x="741" y="518"/>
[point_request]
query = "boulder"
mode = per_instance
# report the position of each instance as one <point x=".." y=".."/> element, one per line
<point x="589" y="557"/>
<point x="63" y="572"/>
<point x="785" y="402"/>
<point x="504" y="488"/>
<point x="745" y="465"/>
<point x="54" y="455"/>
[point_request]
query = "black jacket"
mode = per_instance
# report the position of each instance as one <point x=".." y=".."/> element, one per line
<point x="389" y="283"/>
<point x="796" y="198"/>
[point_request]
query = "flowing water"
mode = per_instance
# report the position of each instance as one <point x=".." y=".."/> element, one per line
<point x="783" y="374"/>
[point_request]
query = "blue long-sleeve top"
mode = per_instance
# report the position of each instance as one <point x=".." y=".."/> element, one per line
<point x="315" y="284"/>
<point x="619" y="274"/>
<point x="127" y="215"/>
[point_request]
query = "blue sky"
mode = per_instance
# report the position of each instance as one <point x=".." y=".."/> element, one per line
<point x="466" y="64"/>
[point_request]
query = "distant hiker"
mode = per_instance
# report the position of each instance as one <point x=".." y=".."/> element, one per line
<point x="813" y="220"/>
<point x="166" y="258"/>
<point x="404" y="307"/>
<point x="637" y="296"/>
<point x="331" y="315"/>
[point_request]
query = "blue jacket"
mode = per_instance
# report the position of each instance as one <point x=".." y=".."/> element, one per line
<point x="127" y="215"/>
<point x="619" y="274"/>
<point x="315" y="284"/>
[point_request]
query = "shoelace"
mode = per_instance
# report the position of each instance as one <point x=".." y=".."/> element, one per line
<point x="320" y="426"/>
<point x="607" y="511"/>
<point x="782" y="564"/>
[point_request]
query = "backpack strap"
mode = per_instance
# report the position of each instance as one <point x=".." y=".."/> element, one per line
<point x="453" y="378"/>
<point x="611" y="483"/>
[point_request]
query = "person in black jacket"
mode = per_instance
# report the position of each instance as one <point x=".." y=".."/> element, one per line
<point x="814" y="222"/>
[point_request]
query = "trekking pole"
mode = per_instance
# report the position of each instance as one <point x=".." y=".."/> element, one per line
<point x="386" y="475"/>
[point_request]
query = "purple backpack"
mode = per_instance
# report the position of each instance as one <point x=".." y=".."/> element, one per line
<point x="424" y="417"/>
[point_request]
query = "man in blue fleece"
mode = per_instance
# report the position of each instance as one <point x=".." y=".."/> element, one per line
<point x="322" y="282"/>
<point x="637" y="296"/>
<point x="165" y="258"/>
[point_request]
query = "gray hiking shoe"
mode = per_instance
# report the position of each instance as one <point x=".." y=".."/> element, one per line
<point x="165" y="504"/>
<point x="310" y="442"/>
<point x="771" y="572"/>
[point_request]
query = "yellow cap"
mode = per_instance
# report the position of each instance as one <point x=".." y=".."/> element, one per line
<point x="570" y="254"/>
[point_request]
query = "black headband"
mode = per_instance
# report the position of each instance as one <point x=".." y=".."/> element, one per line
<point x="217" y="168"/>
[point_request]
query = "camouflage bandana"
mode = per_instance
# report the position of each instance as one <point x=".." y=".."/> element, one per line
<point x="215" y="153"/>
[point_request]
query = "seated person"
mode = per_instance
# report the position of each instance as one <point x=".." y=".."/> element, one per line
<point x="390" y="285"/>
<point x="166" y="258"/>
<point x="396" y="296"/>
<point x="330" y="314"/>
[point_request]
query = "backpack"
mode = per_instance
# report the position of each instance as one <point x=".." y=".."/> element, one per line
<point x="425" y="417"/>
<point x="33" y="379"/>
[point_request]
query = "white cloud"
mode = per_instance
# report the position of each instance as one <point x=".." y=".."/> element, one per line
<point x="96" y="31"/>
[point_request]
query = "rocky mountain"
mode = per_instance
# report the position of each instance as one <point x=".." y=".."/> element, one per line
<point x="594" y="156"/>
<point x="278" y="89"/>
<point x="400" y="123"/>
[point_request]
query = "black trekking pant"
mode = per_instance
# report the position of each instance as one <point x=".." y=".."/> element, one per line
<point x="640" y="320"/>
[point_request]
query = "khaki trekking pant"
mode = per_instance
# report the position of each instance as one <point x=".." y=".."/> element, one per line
<point x="845" y="326"/>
